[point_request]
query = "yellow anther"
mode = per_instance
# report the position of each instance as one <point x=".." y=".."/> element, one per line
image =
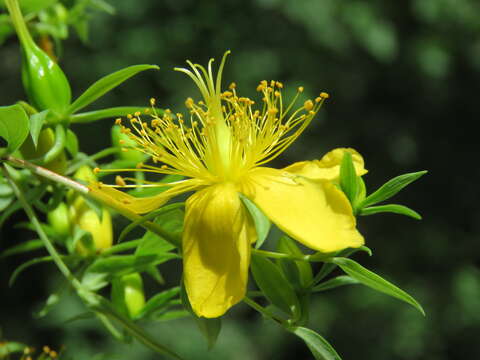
<point x="227" y="93"/>
<point x="96" y="170"/>
<point x="232" y="86"/>
<point x="279" y="85"/>
<point x="53" y="354"/>
<point x="152" y="101"/>
<point x="318" y="99"/>
<point x="164" y="167"/>
<point x="273" y="111"/>
<point x="272" y="83"/>
<point x="260" y="87"/>
<point x="324" y="95"/>
<point x="300" y="89"/>
<point x="118" y="121"/>
<point x="26" y="350"/>
<point x="168" y="111"/>
<point x="119" y="181"/>
<point x="308" y="105"/>
<point x="129" y="116"/>
<point x="277" y="93"/>
<point x="146" y="111"/>
<point x="46" y="349"/>
<point x="189" y="103"/>
<point x="137" y="113"/>
<point x="139" y="165"/>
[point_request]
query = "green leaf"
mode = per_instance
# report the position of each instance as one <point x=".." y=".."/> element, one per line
<point x="117" y="265"/>
<point x="274" y="285"/>
<point x="328" y="267"/>
<point x="209" y="327"/>
<point x="262" y="224"/>
<point x="341" y="280"/>
<point x="36" y="123"/>
<point x="94" y="281"/>
<point x="71" y="143"/>
<point x="348" y="177"/>
<point x="106" y="84"/>
<point x="374" y="281"/>
<point x="14" y="126"/>
<point x="113" y="112"/>
<point x="391" y="208"/>
<point x="304" y="269"/>
<point x="158" y="302"/>
<point x="319" y="347"/>
<point x="27" y="246"/>
<point x="390" y="188"/>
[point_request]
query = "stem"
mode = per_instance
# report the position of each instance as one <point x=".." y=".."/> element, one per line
<point x="262" y="310"/>
<point x="19" y="23"/>
<point x="36" y="224"/>
<point x="90" y="159"/>
<point x="155" y="228"/>
<point x="276" y="255"/>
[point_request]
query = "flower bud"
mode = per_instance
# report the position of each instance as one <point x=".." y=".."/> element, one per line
<point x="82" y="215"/>
<point x="59" y="219"/>
<point x="46" y="140"/>
<point x="44" y="81"/>
<point x="128" y="295"/>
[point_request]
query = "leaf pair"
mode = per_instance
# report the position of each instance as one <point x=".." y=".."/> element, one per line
<point x="354" y="188"/>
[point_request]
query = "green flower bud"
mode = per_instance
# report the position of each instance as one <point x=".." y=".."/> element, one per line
<point x="59" y="219"/>
<point x="46" y="140"/>
<point x="87" y="219"/>
<point x="128" y="295"/>
<point x="44" y="81"/>
<point x="122" y="140"/>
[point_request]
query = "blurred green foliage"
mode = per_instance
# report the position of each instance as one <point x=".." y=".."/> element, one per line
<point x="404" y="78"/>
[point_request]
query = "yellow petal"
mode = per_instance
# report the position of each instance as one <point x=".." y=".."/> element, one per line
<point x="315" y="213"/>
<point x="216" y="250"/>
<point x="328" y="168"/>
<point x="140" y="205"/>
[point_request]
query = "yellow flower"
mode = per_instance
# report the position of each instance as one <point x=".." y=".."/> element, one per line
<point x="221" y="152"/>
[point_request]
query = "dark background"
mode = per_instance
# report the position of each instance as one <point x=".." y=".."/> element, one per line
<point x="404" y="80"/>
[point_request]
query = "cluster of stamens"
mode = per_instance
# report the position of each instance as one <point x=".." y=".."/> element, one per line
<point x="256" y="135"/>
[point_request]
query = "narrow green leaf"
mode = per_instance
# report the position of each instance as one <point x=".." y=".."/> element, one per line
<point x="14" y="127"/>
<point x="113" y="112"/>
<point x="348" y="177"/>
<point x="274" y="285"/>
<point x="209" y="327"/>
<point x="32" y="262"/>
<point x="36" y="123"/>
<point x="106" y="84"/>
<point x="341" y="280"/>
<point x="158" y="302"/>
<point x="122" y="247"/>
<point x="391" y="208"/>
<point x="374" y="281"/>
<point x="27" y="246"/>
<point x="71" y="143"/>
<point x="390" y="188"/>
<point x="319" y="347"/>
<point x="52" y="300"/>
<point x="328" y="267"/>
<point x="262" y="224"/>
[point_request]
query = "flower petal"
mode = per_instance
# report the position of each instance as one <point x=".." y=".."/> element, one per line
<point x="216" y="249"/>
<point x="328" y="168"/>
<point x="140" y="205"/>
<point x="316" y="213"/>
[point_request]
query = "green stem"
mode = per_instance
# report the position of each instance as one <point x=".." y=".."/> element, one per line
<point x="38" y="227"/>
<point x="155" y="228"/>
<point x="89" y="160"/>
<point x="276" y="255"/>
<point x="263" y="310"/>
<point x="19" y="23"/>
